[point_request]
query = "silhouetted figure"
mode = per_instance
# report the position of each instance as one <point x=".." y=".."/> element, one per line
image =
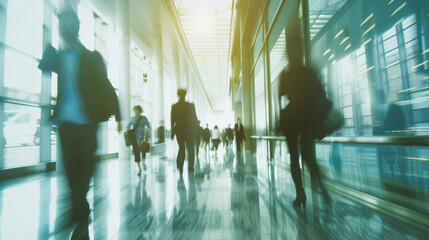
<point x="206" y="136"/>
<point x="239" y="134"/>
<point x="229" y="135"/>
<point x="183" y="124"/>
<point x="141" y="127"/>
<point x="198" y="136"/>
<point x="394" y="124"/>
<point x="85" y="97"/>
<point x="216" y="135"/>
<point x="303" y="116"/>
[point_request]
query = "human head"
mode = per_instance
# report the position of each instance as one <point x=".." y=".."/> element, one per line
<point x="137" y="109"/>
<point x="181" y="93"/>
<point x="68" y="25"/>
<point x="239" y="120"/>
<point x="216" y="127"/>
<point x="294" y="40"/>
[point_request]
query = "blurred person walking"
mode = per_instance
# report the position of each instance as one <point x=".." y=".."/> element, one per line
<point x="85" y="98"/>
<point x="239" y="134"/>
<point x="141" y="126"/>
<point x="308" y="107"/>
<point x="229" y="135"/>
<point x="206" y="136"/>
<point x="183" y="124"/>
<point x="216" y="135"/>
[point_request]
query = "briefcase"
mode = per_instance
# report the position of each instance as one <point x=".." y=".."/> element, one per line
<point x="130" y="137"/>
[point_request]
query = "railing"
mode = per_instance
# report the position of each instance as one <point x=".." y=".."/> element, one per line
<point x="372" y="140"/>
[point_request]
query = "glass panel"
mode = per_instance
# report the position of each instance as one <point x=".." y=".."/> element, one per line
<point x="272" y="10"/>
<point x="394" y="173"/>
<point x="22" y="77"/>
<point x="20" y="132"/>
<point x="278" y="58"/>
<point x="260" y="113"/>
<point x="386" y="75"/>
<point x="258" y="45"/>
<point x="86" y="31"/>
<point x="24" y="29"/>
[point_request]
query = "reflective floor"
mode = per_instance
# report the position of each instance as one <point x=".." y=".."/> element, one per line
<point x="226" y="198"/>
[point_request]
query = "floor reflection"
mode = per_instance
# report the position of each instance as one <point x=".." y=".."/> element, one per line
<point x="229" y="196"/>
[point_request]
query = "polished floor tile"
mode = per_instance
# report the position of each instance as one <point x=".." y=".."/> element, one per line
<point x="226" y="198"/>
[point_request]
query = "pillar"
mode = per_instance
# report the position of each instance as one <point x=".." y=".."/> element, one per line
<point x="3" y="12"/>
<point x="123" y="63"/>
<point x="247" y="82"/>
<point x="160" y="125"/>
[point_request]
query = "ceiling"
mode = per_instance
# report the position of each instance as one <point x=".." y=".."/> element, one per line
<point x="321" y="12"/>
<point x="206" y="24"/>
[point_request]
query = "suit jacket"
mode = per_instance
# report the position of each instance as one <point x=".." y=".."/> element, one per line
<point x="98" y="95"/>
<point x="239" y="133"/>
<point x="184" y="120"/>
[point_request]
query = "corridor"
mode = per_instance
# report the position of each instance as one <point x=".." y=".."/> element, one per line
<point x="226" y="198"/>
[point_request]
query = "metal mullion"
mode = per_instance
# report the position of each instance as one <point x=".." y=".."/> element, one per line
<point x="3" y="18"/>
<point x="45" y="94"/>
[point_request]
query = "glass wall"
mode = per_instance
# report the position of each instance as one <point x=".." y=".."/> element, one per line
<point x="142" y="82"/>
<point x="377" y="67"/>
<point x="20" y="87"/>
<point x="25" y="28"/>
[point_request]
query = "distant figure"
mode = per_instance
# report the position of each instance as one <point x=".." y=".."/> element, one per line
<point x="395" y="124"/>
<point x="85" y="97"/>
<point x="223" y="137"/>
<point x="304" y="114"/>
<point x="229" y="135"/>
<point x="206" y="136"/>
<point x="141" y="128"/>
<point x="216" y="135"/>
<point x="239" y="134"/>
<point x="198" y="135"/>
<point x="183" y="123"/>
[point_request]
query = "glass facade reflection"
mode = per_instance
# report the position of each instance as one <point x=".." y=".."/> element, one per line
<point x="25" y="28"/>
<point x="373" y="59"/>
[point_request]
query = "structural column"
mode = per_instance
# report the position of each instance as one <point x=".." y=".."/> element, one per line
<point x="177" y="72"/>
<point x="159" y="81"/>
<point x="45" y="96"/>
<point x="123" y="63"/>
<point x="3" y="4"/>
<point x="247" y="80"/>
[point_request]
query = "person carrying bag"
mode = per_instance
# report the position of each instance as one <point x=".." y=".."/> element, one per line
<point x="130" y="135"/>
<point x="138" y="136"/>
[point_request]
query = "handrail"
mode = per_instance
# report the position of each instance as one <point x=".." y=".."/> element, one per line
<point x="372" y="140"/>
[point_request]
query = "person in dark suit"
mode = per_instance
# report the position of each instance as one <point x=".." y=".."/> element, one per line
<point x="206" y="136"/>
<point x="239" y="134"/>
<point x="229" y="135"/>
<point x="183" y="124"/>
<point x="198" y="135"/>
<point x="85" y="98"/>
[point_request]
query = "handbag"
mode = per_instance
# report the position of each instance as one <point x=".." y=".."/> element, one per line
<point x="130" y="135"/>
<point x="333" y="121"/>
<point x="145" y="146"/>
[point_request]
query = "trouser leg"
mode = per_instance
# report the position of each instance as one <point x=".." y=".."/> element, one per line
<point x="181" y="154"/>
<point x="292" y="143"/>
<point x="78" y="143"/>
<point x="191" y="153"/>
<point x="136" y="151"/>
<point x="308" y="153"/>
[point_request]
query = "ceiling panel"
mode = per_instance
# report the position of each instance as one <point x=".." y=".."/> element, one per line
<point x="206" y="24"/>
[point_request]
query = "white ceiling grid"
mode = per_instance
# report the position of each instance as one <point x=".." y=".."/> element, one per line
<point x="321" y="12"/>
<point x="206" y="24"/>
